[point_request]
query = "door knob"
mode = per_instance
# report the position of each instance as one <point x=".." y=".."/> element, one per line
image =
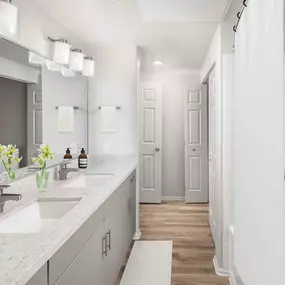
<point x="157" y="149"/>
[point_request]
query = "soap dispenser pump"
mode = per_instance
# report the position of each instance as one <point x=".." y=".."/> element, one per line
<point x="82" y="159"/>
<point x="67" y="154"/>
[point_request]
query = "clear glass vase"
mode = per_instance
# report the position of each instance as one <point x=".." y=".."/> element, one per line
<point x="7" y="176"/>
<point x="42" y="179"/>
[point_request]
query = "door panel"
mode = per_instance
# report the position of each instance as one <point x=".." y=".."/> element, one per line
<point x="150" y="108"/>
<point x="148" y="167"/>
<point x="196" y="144"/>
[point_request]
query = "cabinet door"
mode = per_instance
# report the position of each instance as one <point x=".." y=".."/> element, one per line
<point x="114" y="226"/>
<point x="40" y="278"/>
<point x="87" y="268"/>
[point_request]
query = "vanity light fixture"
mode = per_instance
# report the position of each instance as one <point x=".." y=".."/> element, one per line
<point x="67" y="72"/>
<point x="76" y="60"/>
<point x="61" y="51"/>
<point x="52" y="66"/>
<point x="36" y="59"/>
<point x="8" y="18"/>
<point x="88" y="67"/>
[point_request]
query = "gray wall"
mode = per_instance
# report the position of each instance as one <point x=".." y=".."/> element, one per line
<point x="13" y="115"/>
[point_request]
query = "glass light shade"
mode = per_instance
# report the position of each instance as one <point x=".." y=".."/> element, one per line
<point x="66" y="72"/>
<point x="89" y="67"/>
<point x="76" y="60"/>
<point x="36" y="59"/>
<point x="52" y="66"/>
<point x="8" y="19"/>
<point x="61" y="52"/>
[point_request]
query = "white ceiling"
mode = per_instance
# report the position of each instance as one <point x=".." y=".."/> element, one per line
<point x="182" y="10"/>
<point x="178" y="32"/>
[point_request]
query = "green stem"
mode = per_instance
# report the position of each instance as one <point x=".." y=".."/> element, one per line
<point x="5" y="165"/>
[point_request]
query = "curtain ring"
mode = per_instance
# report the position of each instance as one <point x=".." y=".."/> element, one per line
<point x="239" y="15"/>
<point x="244" y="3"/>
<point x="235" y="29"/>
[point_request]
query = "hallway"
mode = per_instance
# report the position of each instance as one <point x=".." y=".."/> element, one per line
<point x="193" y="249"/>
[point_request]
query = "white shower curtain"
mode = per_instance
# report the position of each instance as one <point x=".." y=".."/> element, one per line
<point x="258" y="151"/>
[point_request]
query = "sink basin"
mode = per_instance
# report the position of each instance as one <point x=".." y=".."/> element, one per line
<point x="36" y="216"/>
<point x="88" y="179"/>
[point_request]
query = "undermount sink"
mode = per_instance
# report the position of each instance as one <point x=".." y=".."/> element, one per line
<point x="37" y="216"/>
<point x="88" y="179"/>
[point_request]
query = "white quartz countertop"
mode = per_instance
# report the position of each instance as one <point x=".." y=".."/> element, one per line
<point x="22" y="255"/>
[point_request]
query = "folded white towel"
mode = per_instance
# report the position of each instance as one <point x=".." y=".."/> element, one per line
<point x="108" y="120"/>
<point x="65" y="120"/>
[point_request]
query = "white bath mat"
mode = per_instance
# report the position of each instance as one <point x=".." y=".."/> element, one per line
<point x="149" y="264"/>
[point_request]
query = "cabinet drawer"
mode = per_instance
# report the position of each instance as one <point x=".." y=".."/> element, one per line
<point x="40" y="278"/>
<point x="67" y="253"/>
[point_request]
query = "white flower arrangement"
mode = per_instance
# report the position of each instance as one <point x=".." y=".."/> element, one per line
<point x="8" y="158"/>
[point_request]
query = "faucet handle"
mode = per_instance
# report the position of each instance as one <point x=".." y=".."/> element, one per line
<point x="3" y="186"/>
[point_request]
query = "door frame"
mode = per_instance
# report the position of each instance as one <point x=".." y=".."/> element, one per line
<point x="218" y="258"/>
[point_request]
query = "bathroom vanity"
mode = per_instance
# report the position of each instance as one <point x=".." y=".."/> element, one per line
<point x="88" y="232"/>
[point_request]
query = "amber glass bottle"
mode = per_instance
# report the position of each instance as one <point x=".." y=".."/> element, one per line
<point x="82" y="159"/>
<point x="68" y="155"/>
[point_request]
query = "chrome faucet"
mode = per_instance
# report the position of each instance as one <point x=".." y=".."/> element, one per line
<point x="7" y="197"/>
<point x="61" y="171"/>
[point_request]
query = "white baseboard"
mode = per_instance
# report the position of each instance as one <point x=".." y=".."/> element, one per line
<point x="169" y="199"/>
<point x="220" y="271"/>
<point x="232" y="280"/>
<point x="235" y="279"/>
<point x="137" y="235"/>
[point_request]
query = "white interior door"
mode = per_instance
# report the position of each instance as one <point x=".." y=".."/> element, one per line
<point x="150" y="109"/>
<point x="212" y="155"/>
<point x="196" y="146"/>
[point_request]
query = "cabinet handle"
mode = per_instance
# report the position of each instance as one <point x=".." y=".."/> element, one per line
<point x="104" y="249"/>
<point x="109" y="238"/>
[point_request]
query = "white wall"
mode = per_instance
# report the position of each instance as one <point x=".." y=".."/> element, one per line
<point x="35" y="25"/>
<point x="63" y="91"/>
<point x="173" y="104"/>
<point x="115" y="84"/>
<point x="259" y="197"/>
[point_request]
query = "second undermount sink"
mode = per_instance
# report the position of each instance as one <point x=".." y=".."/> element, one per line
<point x="36" y="216"/>
<point x="88" y="180"/>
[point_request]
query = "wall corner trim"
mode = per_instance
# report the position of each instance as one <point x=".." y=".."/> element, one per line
<point x="219" y="270"/>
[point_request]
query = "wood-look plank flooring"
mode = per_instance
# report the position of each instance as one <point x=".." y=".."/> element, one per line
<point x="193" y="249"/>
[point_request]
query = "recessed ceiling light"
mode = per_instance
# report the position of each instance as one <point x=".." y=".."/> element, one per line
<point x="158" y="62"/>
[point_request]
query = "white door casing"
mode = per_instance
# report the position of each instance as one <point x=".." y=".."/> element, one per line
<point x="213" y="213"/>
<point x="196" y="144"/>
<point x="150" y="117"/>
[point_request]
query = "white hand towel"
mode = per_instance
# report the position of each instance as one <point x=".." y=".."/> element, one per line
<point x="65" y="120"/>
<point x="108" y="120"/>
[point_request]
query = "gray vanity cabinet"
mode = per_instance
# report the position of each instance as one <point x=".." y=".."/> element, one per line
<point x="95" y="253"/>
<point x="40" y="278"/>
<point x="88" y="267"/>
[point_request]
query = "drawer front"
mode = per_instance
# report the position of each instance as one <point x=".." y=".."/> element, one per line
<point x="40" y="278"/>
<point x="115" y="198"/>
